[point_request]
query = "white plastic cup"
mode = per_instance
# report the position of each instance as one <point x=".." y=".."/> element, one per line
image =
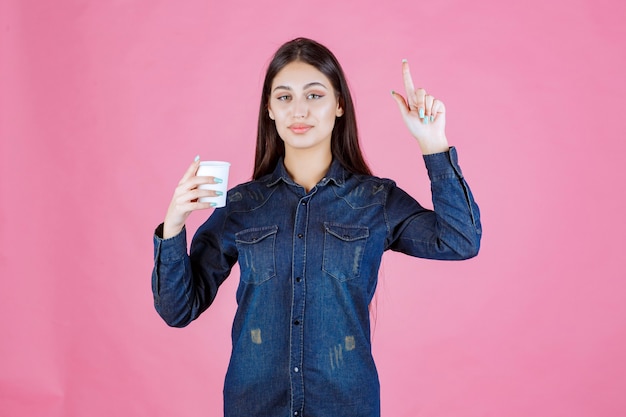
<point x="217" y="169"/>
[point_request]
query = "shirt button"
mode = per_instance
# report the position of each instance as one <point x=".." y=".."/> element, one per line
<point x="296" y="369"/>
<point x="300" y="235"/>
<point x="304" y="203"/>
<point x="298" y="279"/>
<point x="295" y="413"/>
<point x="297" y="322"/>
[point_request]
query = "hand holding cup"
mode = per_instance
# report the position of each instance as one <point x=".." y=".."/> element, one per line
<point x="202" y="187"/>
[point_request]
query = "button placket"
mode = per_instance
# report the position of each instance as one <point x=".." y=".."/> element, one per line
<point x="298" y="305"/>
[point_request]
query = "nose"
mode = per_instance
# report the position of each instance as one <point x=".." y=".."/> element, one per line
<point x="300" y="108"/>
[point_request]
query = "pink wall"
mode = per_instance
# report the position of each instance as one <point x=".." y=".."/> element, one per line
<point x="104" y="104"/>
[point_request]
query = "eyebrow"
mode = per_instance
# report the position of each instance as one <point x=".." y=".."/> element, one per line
<point x="309" y="85"/>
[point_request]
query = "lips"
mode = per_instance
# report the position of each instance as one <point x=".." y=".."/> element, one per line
<point x="300" y="128"/>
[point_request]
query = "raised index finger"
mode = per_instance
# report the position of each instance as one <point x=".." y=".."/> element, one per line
<point x="416" y="97"/>
<point x="408" y="80"/>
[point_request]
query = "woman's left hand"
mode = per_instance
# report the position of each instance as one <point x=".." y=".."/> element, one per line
<point x="424" y="115"/>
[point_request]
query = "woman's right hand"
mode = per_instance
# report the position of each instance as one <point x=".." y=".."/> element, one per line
<point x="185" y="200"/>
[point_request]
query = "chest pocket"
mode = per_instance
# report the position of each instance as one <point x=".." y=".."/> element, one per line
<point x="256" y="248"/>
<point x="343" y="250"/>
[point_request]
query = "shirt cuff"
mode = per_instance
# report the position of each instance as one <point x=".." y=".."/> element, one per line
<point x="171" y="249"/>
<point x="443" y="165"/>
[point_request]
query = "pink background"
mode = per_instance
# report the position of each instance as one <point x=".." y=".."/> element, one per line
<point x="103" y="104"/>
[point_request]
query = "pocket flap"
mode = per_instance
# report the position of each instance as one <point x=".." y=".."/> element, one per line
<point x="347" y="233"/>
<point x="255" y="234"/>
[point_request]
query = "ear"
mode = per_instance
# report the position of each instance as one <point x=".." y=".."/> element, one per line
<point x="270" y="113"/>
<point x="339" y="111"/>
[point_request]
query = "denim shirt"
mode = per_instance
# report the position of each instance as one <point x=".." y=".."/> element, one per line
<point x="308" y="270"/>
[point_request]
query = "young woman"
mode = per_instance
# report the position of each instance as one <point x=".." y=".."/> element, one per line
<point x="308" y="233"/>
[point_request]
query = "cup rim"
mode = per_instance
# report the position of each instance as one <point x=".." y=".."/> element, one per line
<point x="214" y="163"/>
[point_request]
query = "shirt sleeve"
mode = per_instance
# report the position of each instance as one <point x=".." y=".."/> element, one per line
<point x="184" y="286"/>
<point x="452" y="231"/>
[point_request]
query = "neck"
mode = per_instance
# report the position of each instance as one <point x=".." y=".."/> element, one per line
<point x="307" y="169"/>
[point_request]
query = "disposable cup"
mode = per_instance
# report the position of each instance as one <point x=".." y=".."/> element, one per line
<point x="217" y="169"/>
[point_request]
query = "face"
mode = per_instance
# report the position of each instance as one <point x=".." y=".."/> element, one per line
<point x="304" y="107"/>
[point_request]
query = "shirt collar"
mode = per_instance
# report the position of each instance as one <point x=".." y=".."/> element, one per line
<point x="336" y="173"/>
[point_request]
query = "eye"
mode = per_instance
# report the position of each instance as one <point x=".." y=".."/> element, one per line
<point x="283" y="98"/>
<point x="314" y="96"/>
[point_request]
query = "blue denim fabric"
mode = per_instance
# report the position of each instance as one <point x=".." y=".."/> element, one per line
<point x="309" y="267"/>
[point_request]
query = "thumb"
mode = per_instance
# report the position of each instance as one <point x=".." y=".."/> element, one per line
<point x="401" y="102"/>
<point x="191" y="171"/>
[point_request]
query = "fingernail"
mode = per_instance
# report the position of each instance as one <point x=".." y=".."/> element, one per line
<point x="425" y="120"/>
<point x="404" y="61"/>
<point x="393" y="92"/>
<point x="197" y="158"/>
<point x="432" y="117"/>
<point x="217" y="180"/>
<point x="219" y="193"/>
<point x="213" y="204"/>
<point x="421" y="112"/>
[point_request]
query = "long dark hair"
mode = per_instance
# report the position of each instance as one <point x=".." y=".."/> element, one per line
<point x="345" y="139"/>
